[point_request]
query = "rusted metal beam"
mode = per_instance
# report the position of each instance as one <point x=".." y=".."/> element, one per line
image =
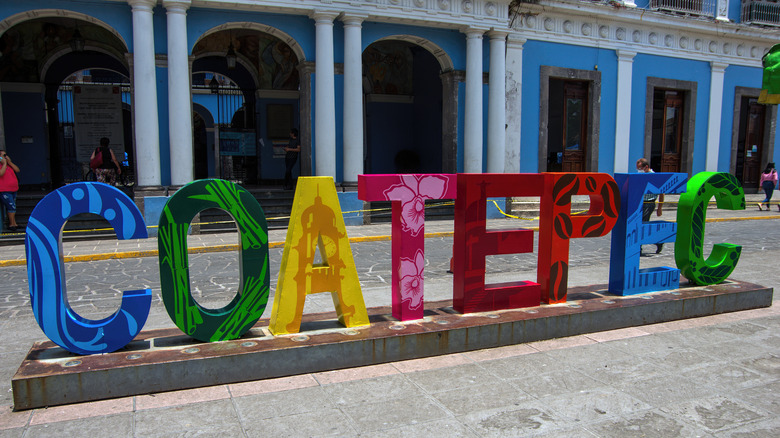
<point x="167" y="360"/>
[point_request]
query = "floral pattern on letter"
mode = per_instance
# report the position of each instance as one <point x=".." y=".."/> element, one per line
<point x="412" y="191"/>
<point x="412" y="282"/>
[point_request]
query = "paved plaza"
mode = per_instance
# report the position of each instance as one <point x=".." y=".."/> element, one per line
<point x="716" y="376"/>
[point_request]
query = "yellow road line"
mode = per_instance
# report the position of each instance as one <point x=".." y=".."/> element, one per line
<point x="234" y="247"/>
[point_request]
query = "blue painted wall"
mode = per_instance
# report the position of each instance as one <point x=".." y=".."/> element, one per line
<point x="670" y="68"/>
<point x="485" y="91"/>
<point x="735" y="11"/>
<point x="32" y="159"/>
<point x="538" y="53"/>
<point x="737" y="76"/>
<point x="339" y="98"/>
<point x="162" y="117"/>
<point x="608" y="67"/>
<point x="461" y="123"/>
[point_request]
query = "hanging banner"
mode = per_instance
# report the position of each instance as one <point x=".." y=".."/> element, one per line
<point x="97" y="113"/>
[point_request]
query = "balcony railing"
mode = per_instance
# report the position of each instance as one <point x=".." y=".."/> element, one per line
<point x="765" y="12"/>
<point x="691" y="7"/>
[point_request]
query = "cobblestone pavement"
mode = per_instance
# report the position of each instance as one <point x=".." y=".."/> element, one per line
<point x="717" y="376"/>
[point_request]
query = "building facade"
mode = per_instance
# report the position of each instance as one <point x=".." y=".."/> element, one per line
<point x="190" y="89"/>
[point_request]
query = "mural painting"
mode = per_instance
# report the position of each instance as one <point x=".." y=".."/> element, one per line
<point x="25" y="47"/>
<point x="388" y="67"/>
<point x="274" y="60"/>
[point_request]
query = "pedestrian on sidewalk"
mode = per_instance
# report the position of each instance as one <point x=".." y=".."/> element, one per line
<point x="768" y="182"/>
<point x="643" y="166"/>
<point x="9" y="185"/>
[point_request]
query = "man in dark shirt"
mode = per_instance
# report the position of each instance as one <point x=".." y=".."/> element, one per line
<point x="291" y="156"/>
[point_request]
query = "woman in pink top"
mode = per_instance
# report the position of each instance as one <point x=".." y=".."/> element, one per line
<point x="768" y="182"/>
<point x="9" y="185"/>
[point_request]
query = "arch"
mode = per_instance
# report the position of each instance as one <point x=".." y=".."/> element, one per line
<point x="54" y="71"/>
<point x="58" y="13"/>
<point x="404" y="108"/>
<point x="264" y="28"/>
<point x="243" y="75"/>
<point x="205" y="113"/>
<point x="444" y="59"/>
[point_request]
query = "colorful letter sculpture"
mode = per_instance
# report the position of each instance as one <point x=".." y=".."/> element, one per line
<point x="408" y="194"/>
<point x="630" y="233"/>
<point x="557" y="224"/>
<point x="316" y="222"/>
<point x="46" y="273"/>
<point x="473" y="243"/>
<point x="691" y="217"/>
<point x="236" y="318"/>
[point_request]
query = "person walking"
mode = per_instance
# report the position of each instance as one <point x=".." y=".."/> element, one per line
<point x="108" y="170"/>
<point x="9" y="185"/>
<point x="292" y="150"/>
<point x="768" y="182"/>
<point x="648" y="204"/>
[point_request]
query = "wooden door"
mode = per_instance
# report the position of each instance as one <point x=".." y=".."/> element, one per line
<point x="575" y="125"/>
<point x="754" y="140"/>
<point x="672" y="132"/>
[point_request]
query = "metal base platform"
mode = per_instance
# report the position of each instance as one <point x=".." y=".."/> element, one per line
<point x="166" y="360"/>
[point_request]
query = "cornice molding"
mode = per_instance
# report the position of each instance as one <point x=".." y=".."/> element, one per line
<point x="432" y="13"/>
<point x="644" y="31"/>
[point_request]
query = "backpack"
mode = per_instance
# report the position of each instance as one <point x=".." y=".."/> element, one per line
<point x="97" y="161"/>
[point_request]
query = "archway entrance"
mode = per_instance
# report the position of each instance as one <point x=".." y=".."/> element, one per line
<point x="92" y="104"/>
<point x="67" y="77"/>
<point x="403" y="108"/>
<point x="248" y="81"/>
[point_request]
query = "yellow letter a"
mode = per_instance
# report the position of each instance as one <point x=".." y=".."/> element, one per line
<point x="316" y="221"/>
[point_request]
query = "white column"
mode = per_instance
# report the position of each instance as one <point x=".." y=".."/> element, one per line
<point x="722" y="11"/>
<point x="179" y="100"/>
<point x="324" y="95"/>
<point x="514" y="103"/>
<point x="496" y="125"/>
<point x="353" y="97"/>
<point x="472" y="130"/>
<point x="717" y="73"/>
<point x="629" y="3"/>
<point x="623" y="116"/>
<point x="147" y="131"/>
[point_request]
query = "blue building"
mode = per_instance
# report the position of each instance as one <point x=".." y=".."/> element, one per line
<point x="191" y="89"/>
